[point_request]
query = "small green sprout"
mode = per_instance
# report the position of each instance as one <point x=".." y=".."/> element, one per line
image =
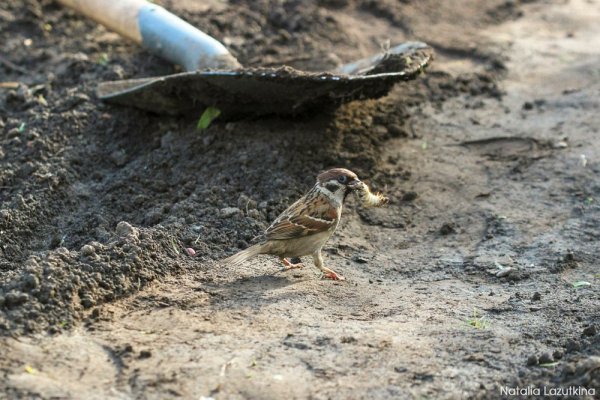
<point x="477" y="321"/>
<point x="103" y="59"/>
<point x="30" y="370"/>
<point x="549" y="365"/>
<point x="208" y="116"/>
<point x="579" y="284"/>
<point x="174" y="245"/>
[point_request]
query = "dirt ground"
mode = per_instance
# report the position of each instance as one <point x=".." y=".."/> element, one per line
<point x="481" y="274"/>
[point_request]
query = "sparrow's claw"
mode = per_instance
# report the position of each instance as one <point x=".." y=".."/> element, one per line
<point x="288" y="265"/>
<point x="333" y="276"/>
<point x="293" y="266"/>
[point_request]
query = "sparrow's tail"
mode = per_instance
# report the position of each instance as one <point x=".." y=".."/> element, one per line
<point x="245" y="255"/>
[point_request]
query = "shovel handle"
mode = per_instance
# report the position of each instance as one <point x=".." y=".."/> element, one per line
<point x="159" y="31"/>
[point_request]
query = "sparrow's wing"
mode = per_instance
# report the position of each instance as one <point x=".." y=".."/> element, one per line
<point x="305" y="217"/>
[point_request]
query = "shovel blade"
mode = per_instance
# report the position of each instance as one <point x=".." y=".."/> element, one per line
<point x="261" y="91"/>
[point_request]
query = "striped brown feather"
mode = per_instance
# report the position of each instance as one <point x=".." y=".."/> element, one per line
<point x="301" y="220"/>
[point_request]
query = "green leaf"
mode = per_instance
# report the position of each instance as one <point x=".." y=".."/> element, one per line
<point x="207" y="118"/>
<point x="579" y="284"/>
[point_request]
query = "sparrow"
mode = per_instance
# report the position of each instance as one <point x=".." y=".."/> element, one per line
<point x="304" y="228"/>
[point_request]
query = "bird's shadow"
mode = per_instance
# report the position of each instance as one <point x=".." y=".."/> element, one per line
<point x="251" y="291"/>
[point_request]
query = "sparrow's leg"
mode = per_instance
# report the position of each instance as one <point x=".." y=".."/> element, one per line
<point x="327" y="273"/>
<point x="288" y="265"/>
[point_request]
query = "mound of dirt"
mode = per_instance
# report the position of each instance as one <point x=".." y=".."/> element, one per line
<point x="56" y="287"/>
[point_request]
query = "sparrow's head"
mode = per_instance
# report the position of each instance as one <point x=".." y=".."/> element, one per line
<point x="339" y="182"/>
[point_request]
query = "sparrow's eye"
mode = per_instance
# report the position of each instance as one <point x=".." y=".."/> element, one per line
<point x="343" y="179"/>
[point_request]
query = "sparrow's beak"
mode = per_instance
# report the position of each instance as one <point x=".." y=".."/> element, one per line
<point x="354" y="184"/>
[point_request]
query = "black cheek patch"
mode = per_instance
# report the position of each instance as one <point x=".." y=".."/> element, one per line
<point x="347" y="192"/>
<point x="332" y="187"/>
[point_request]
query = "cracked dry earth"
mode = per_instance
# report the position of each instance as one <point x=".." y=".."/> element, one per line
<point x="482" y="273"/>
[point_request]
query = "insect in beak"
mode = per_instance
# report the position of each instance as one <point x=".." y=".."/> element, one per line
<point x="354" y="184"/>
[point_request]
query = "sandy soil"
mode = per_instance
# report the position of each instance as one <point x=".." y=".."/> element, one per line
<point x="481" y="274"/>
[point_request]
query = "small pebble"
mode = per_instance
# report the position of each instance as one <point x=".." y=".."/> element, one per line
<point x="359" y="259"/>
<point x="118" y="157"/>
<point x="87" y="301"/>
<point x="190" y="252"/>
<point x="13" y="299"/>
<point x="546" y="358"/>
<point x="504" y="272"/>
<point x="532" y="360"/>
<point x="63" y="251"/>
<point x="125" y="229"/>
<point x="590" y="331"/>
<point x="31" y="281"/>
<point x="254" y="214"/>
<point x="448" y="228"/>
<point x="536" y="296"/>
<point x="409" y="196"/>
<point x="569" y="369"/>
<point x="5" y="215"/>
<point x="557" y="355"/>
<point x="228" y="212"/>
<point x="87" y="250"/>
<point x="246" y="203"/>
<point x="560" y="145"/>
<point x="572" y="346"/>
<point x="570" y="256"/>
<point x="145" y="354"/>
<point x="396" y="131"/>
